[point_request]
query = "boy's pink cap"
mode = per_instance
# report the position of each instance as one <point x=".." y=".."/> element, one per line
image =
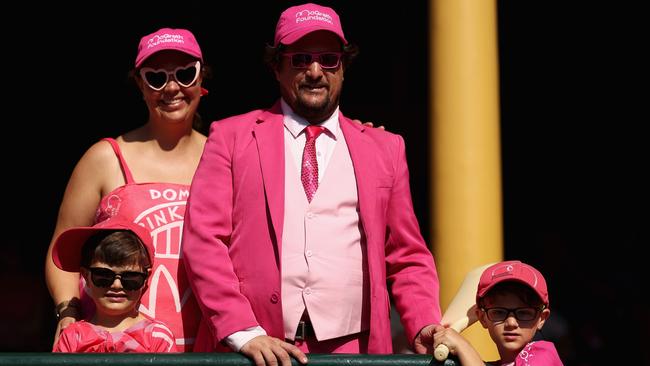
<point x="515" y="271"/>
<point x="168" y="39"/>
<point x="298" y="21"/>
<point x="66" y="252"/>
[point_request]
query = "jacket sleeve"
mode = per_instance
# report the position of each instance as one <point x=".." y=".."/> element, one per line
<point x="410" y="268"/>
<point x="206" y="236"/>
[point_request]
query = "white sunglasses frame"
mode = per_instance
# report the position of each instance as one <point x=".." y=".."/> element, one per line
<point x="171" y="74"/>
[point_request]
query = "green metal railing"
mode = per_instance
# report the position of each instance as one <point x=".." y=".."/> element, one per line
<point x="206" y="359"/>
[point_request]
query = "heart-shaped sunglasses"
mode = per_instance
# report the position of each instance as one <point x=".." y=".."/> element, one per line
<point x="185" y="76"/>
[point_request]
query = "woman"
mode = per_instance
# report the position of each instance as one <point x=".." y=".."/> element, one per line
<point x="143" y="175"/>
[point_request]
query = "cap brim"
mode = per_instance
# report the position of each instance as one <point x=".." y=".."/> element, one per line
<point x="299" y="33"/>
<point x="66" y="252"/>
<point x="146" y="55"/>
<point x="485" y="290"/>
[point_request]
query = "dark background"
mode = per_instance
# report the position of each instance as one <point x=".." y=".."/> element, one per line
<point x="571" y="118"/>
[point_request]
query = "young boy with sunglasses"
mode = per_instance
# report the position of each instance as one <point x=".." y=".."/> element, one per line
<point x="512" y="304"/>
<point x="115" y="258"/>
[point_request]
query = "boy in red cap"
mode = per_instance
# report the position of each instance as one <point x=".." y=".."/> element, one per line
<point x="512" y="304"/>
<point x="115" y="259"/>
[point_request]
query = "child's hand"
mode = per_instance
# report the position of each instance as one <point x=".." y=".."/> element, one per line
<point x="457" y="345"/>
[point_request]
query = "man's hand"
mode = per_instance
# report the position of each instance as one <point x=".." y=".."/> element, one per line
<point x="423" y="343"/>
<point x="368" y="124"/>
<point x="265" y="350"/>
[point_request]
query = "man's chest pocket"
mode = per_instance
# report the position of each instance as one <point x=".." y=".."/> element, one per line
<point x="384" y="188"/>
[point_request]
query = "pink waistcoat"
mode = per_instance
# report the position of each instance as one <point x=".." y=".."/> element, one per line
<point x="324" y="265"/>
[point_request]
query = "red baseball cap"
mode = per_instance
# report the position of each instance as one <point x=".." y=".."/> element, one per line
<point x="300" y="20"/>
<point x="66" y="252"/>
<point x="514" y="271"/>
<point x="168" y="39"/>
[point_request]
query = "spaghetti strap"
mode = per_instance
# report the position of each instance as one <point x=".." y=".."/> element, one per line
<point x="125" y="168"/>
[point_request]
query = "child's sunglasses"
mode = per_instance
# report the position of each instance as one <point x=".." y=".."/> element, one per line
<point x="185" y="76"/>
<point x="130" y="280"/>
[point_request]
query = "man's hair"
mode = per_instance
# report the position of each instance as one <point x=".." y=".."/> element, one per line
<point x="115" y="248"/>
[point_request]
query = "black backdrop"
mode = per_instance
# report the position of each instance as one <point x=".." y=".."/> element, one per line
<point x="571" y="136"/>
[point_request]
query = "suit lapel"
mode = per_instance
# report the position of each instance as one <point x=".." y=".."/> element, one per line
<point x="362" y="152"/>
<point x="269" y="136"/>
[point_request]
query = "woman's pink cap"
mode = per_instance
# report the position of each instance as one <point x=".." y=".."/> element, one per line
<point x="300" y="20"/>
<point x="168" y="39"/>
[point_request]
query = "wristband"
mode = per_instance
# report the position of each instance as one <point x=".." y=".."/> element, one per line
<point x="65" y="308"/>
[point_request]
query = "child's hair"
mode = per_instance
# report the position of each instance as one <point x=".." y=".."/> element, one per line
<point x="115" y="248"/>
<point x="524" y="292"/>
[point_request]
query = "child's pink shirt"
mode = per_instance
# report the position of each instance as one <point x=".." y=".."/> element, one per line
<point x="538" y="353"/>
<point x="145" y="336"/>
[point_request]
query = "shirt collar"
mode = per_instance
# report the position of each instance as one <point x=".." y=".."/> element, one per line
<point x="296" y="124"/>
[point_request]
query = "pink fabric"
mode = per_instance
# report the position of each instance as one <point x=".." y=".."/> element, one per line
<point x="145" y="336"/>
<point x="235" y="218"/>
<point x="351" y="344"/>
<point x="538" y="353"/>
<point x="512" y="271"/>
<point x="309" y="171"/>
<point x="160" y="208"/>
<point x="323" y="264"/>
<point x="66" y="252"/>
<point x="168" y="39"/>
<point x="297" y="21"/>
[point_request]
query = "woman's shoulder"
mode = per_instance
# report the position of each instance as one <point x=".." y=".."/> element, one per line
<point x="100" y="152"/>
<point x="97" y="164"/>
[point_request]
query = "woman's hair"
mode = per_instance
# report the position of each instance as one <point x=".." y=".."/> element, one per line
<point x="272" y="54"/>
<point x="526" y="294"/>
<point x="115" y="248"/>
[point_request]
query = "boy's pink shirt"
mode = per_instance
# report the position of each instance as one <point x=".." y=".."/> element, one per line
<point x="145" y="336"/>
<point x="538" y="353"/>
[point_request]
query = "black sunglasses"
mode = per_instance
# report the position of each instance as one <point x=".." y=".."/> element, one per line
<point x="302" y="60"/>
<point x="130" y="280"/>
<point x="521" y="314"/>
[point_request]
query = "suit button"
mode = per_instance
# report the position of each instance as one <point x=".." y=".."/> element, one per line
<point x="275" y="298"/>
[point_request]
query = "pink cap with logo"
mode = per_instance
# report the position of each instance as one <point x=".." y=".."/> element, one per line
<point x="298" y="21"/>
<point x="168" y="39"/>
<point x="515" y="271"/>
<point x="66" y="251"/>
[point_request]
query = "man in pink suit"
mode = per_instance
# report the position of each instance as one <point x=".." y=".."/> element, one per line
<point x="300" y="220"/>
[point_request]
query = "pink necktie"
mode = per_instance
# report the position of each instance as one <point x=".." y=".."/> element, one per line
<point x="309" y="171"/>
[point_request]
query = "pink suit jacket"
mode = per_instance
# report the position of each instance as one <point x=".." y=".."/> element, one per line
<point x="233" y="230"/>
